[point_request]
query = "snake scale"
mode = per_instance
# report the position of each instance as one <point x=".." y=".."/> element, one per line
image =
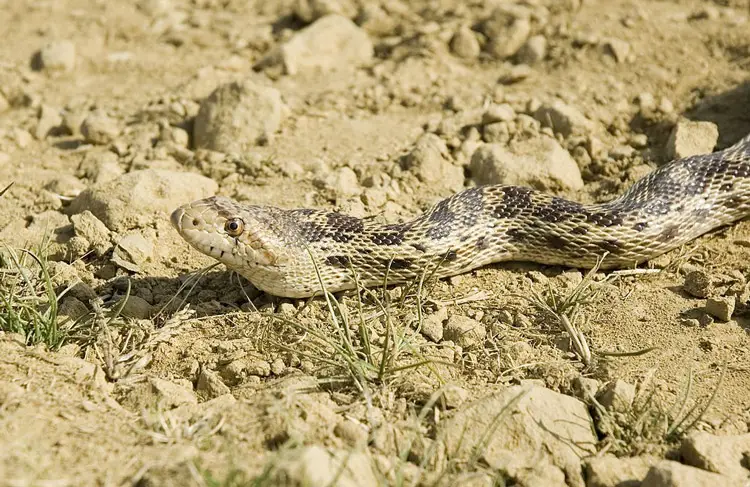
<point x="274" y="248"/>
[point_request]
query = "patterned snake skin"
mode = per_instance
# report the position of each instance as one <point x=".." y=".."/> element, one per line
<point x="272" y="247"/>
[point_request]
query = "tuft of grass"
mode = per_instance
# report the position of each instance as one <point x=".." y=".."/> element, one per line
<point x="28" y="300"/>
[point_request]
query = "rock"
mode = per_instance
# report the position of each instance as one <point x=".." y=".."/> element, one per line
<point x="432" y="324"/>
<point x="617" y="396"/>
<point x="172" y="395"/>
<point x="727" y="455"/>
<point x="65" y="185"/>
<point x="311" y="10"/>
<point x="698" y="283"/>
<point x="353" y="433"/>
<point x="689" y="138"/>
<point x="88" y="226"/>
<point x="465" y="331"/>
<point x="342" y="182"/>
<point x="154" y="393"/>
<point x="617" y="48"/>
<point x="520" y="428"/>
<point x="99" y="128"/>
<point x="610" y="471"/>
<point x="667" y="473"/>
<point x="132" y="251"/>
<point x="501" y="112"/>
<point x="465" y="44"/>
<point x="585" y="388"/>
<point x="516" y="73"/>
<point x="73" y="308"/>
<point x="563" y="119"/>
<point x="721" y="307"/>
<point x="315" y="465"/>
<point x="238" y="116"/>
<point x="136" y="307"/>
<point x="135" y="199"/>
<point x="506" y="33"/>
<point x="58" y="56"/>
<point x="533" y="51"/>
<point x="210" y="383"/>
<point x="428" y="161"/>
<point x="329" y="43"/>
<point x="498" y="132"/>
<point x="454" y="396"/>
<point x="49" y="119"/>
<point x="540" y="162"/>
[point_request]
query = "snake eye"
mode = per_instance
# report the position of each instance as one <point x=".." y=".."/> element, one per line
<point x="234" y="227"/>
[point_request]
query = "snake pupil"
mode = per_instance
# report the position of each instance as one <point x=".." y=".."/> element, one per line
<point x="234" y="227"/>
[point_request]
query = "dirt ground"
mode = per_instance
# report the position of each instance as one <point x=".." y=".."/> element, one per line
<point x="214" y="384"/>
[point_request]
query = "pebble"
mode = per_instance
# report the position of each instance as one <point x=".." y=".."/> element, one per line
<point x="4" y="103"/>
<point x="506" y="33"/>
<point x="516" y="73"/>
<point x="563" y="118"/>
<point x="58" y="56"/>
<point x="99" y="128"/>
<point x="132" y="251"/>
<point x="498" y="132"/>
<point x="464" y="331"/>
<point x="668" y="473"/>
<point x="343" y="182"/>
<point x="315" y="465"/>
<point x="618" y="49"/>
<point x="533" y="51"/>
<point x="73" y="308"/>
<point x="211" y="384"/>
<point x="617" y="396"/>
<point x="721" y="307"/>
<point x="428" y="160"/>
<point x="454" y="396"/>
<point x="353" y="433"/>
<point x="238" y="116"/>
<point x="432" y="324"/>
<point x="611" y="471"/>
<point x="329" y="43"/>
<point x="698" y="283"/>
<point x="540" y="162"/>
<point x="500" y="112"/>
<point x="49" y="119"/>
<point x="311" y="10"/>
<point x="465" y="44"/>
<point x="88" y="226"/>
<point x="136" y="307"/>
<point x="689" y="138"/>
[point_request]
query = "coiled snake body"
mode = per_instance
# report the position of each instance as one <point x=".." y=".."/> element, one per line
<point x="274" y="248"/>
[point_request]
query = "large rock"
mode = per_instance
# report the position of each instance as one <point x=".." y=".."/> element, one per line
<point x="520" y="429"/>
<point x="726" y="455"/>
<point x="673" y="474"/>
<point x="332" y="41"/>
<point x="314" y="465"/>
<point x="541" y="163"/>
<point x="237" y="116"/>
<point x="690" y="138"/>
<point x="610" y="471"/>
<point x="137" y="198"/>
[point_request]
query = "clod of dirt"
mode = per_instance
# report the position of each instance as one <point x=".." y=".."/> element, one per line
<point x="432" y="325"/>
<point x="523" y="427"/>
<point x="698" y="283"/>
<point x="618" y="49"/>
<point x="72" y="308"/>
<point x="135" y="199"/>
<point x="667" y="473"/>
<point x="533" y="51"/>
<point x="132" y="251"/>
<point x="617" y="396"/>
<point x="506" y="33"/>
<point x="88" y="226"/>
<point x="721" y="307"/>
<point x="341" y="183"/>
<point x="610" y="471"/>
<point x="154" y="393"/>
<point x="210" y="384"/>
<point x="465" y="331"/>
<point x="331" y="42"/>
<point x="465" y="44"/>
<point x="311" y="10"/>
<point x="315" y="465"/>
<point x="238" y="116"/>
<point x="57" y="56"/>
<point x="541" y="163"/>
<point x="726" y="455"/>
<point x="49" y="119"/>
<point x="136" y="307"/>
<point x="353" y="433"/>
<point x="498" y="112"/>
<point x="563" y="118"/>
<point x="428" y="161"/>
<point x="690" y="138"/>
<point x="99" y="128"/>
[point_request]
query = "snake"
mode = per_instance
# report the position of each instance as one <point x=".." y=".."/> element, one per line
<point x="303" y="252"/>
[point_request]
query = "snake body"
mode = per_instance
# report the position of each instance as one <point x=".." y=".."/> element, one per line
<point x="294" y="253"/>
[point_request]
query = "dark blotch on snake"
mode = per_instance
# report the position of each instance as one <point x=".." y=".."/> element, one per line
<point x="345" y="223"/>
<point x="397" y="264"/>
<point x="638" y="227"/>
<point x="556" y="241"/>
<point x="610" y="245"/>
<point x="481" y="243"/>
<point x="516" y="199"/>
<point x="387" y="238"/>
<point x="579" y="230"/>
<point x="669" y="233"/>
<point x="450" y="256"/>
<point x="338" y="261"/>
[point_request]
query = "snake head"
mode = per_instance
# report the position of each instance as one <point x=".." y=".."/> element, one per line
<point x="231" y="233"/>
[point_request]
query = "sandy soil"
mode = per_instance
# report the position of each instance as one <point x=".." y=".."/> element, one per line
<point x="95" y="412"/>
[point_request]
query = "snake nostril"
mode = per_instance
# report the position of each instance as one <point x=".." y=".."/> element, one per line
<point x="196" y="222"/>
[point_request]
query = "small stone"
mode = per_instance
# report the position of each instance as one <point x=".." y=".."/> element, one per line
<point x="58" y="56"/>
<point x="171" y="394"/>
<point x="136" y="307"/>
<point x="563" y="119"/>
<point x="639" y="141"/>
<point x="646" y="102"/>
<point x="516" y="73"/>
<point x="132" y="251"/>
<point x="238" y="116"/>
<point x="698" y="283"/>
<point x="721" y="307"/>
<point x="311" y="10"/>
<point x="330" y="42"/>
<point x="428" y="161"/>
<point x="73" y="308"/>
<point x="618" y="49"/>
<point x="49" y="119"/>
<point x="432" y="325"/>
<point x="726" y="455"/>
<point x="65" y="185"/>
<point x="464" y="331"/>
<point x="211" y="384"/>
<point x="315" y="465"/>
<point x="622" y="152"/>
<point x="689" y="138"/>
<point x="585" y="388"/>
<point x="506" y="33"/>
<point x="354" y="434"/>
<point x="278" y="367"/>
<point x="99" y="128"/>
<point x="493" y="133"/>
<point x="617" y="396"/>
<point x="343" y="182"/>
<point x="610" y="471"/>
<point x="4" y="103"/>
<point x="502" y="112"/>
<point x="708" y="12"/>
<point x="666" y="105"/>
<point x="23" y="138"/>
<point x="465" y="44"/>
<point x="533" y="51"/>
<point x="88" y="226"/>
<point x="668" y="473"/>
<point x="454" y="396"/>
